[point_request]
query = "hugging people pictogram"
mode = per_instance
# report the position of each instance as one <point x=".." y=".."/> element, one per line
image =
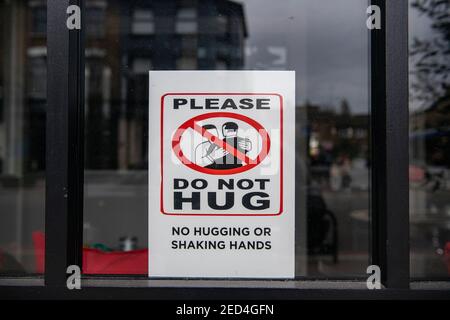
<point x="210" y="155"/>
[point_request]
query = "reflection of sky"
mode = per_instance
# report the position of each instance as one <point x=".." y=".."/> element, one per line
<point x="325" y="41"/>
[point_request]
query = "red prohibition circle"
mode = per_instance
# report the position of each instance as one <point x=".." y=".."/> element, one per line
<point x="191" y="124"/>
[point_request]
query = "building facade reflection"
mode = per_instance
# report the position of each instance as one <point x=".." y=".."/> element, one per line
<point x="126" y="39"/>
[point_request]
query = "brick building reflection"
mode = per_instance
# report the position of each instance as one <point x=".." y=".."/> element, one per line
<point x="126" y="39"/>
<point x="23" y="88"/>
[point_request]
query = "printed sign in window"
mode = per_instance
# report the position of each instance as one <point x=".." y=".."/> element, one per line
<point x="221" y="174"/>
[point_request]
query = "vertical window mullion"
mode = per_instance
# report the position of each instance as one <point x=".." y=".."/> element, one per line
<point x="389" y="103"/>
<point x="64" y="156"/>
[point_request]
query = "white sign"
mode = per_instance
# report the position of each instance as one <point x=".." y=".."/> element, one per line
<point x="221" y="174"/>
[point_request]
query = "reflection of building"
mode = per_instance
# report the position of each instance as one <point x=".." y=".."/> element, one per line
<point x="430" y="134"/>
<point x="333" y="134"/>
<point x="337" y="147"/>
<point x="126" y="39"/>
<point x="23" y="85"/>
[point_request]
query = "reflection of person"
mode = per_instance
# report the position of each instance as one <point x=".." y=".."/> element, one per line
<point x="207" y="152"/>
<point x="229" y="161"/>
<point x="346" y="169"/>
<point x="335" y="177"/>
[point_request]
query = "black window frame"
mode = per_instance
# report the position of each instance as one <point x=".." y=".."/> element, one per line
<point x="65" y="169"/>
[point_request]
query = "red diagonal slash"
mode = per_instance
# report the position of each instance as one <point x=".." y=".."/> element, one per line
<point x="221" y="144"/>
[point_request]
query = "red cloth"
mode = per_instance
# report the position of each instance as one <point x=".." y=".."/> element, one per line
<point x="99" y="262"/>
<point x="39" y="250"/>
<point x="416" y="174"/>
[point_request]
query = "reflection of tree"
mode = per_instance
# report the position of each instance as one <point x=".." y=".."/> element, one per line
<point x="431" y="57"/>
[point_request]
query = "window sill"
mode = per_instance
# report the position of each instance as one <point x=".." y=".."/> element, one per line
<point x="218" y="290"/>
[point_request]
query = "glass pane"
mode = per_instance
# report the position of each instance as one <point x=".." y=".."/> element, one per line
<point x="429" y="169"/>
<point x="143" y="21"/>
<point x="325" y="42"/>
<point x="23" y="91"/>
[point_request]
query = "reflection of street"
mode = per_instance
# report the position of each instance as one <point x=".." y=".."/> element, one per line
<point x="21" y="209"/>
<point x="430" y="231"/>
<point x="119" y="200"/>
<point x="429" y="137"/>
<point x="353" y="237"/>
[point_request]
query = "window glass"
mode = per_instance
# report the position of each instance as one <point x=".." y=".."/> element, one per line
<point x="37" y="72"/>
<point x="429" y="139"/>
<point x="143" y="21"/>
<point x="38" y="17"/>
<point x="325" y="42"/>
<point x="23" y="86"/>
<point x="95" y="19"/>
<point x="186" y="20"/>
<point x="187" y="63"/>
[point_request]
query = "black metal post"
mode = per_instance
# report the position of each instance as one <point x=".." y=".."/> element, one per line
<point x="389" y="105"/>
<point x="64" y="145"/>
